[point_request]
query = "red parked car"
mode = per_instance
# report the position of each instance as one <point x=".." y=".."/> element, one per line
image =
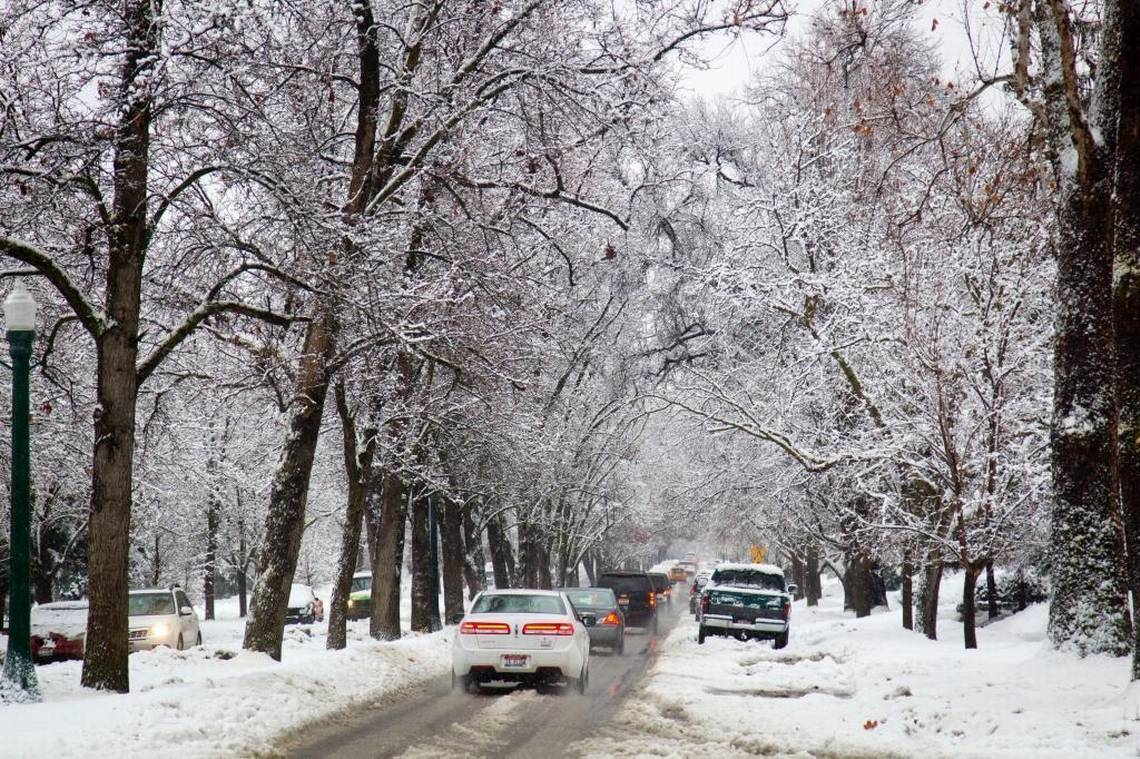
<point x="59" y="630"/>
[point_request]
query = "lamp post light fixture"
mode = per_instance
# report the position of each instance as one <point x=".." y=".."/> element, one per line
<point x="20" y="321"/>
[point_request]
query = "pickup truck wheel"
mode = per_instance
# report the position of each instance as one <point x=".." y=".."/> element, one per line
<point x="701" y="635"/>
<point x="781" y="640"/>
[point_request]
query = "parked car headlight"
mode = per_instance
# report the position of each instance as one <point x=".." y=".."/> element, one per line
<point x="350" y="603"/>
<point x="161" y="630"/>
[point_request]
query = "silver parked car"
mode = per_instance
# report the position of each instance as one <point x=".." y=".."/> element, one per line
<point x="161" y="617"/>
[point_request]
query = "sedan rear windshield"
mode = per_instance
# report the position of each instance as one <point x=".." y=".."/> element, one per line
<point x="749" y="578"/>
<point x="361" y="583"/>
<point x="592" y="598"/>
<point x="491" y="603"/>
<point x="149" y="604"/>
<point x="660" y="581"/>
<point x="626" y="583"/>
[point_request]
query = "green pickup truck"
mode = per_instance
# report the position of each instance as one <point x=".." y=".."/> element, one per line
<point x="746" y="601"/>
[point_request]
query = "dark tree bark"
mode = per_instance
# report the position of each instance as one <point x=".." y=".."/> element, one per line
<point x="907" y="592"/>
<point x="858" y="593"/>
<point x="388" y="567"/>
<point x="969" y="608"/>
<point x="116" y="348"/>
<point x="1126" y="249"/>
<point x="928" y="596"/>
<point x="502" y="561"/>
<point x="799" y="577"/>
<point x="213" y="521"/>
<point x="285" y="520"/>
<point x="422" y="586"/>
<point x="813" y="589"/>
<point x="451" y="528"/>
<point x="358" y="470"/>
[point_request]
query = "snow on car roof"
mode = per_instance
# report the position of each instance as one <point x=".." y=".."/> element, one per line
<point x="523" y="592"/>
<point x="771" y="569"/>
<point x="365" y="573"/>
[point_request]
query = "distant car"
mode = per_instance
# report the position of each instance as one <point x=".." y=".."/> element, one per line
<point x="161" y="617"/>
<point x="360" y="596"/>
<point x="521" y="636"/>
<point x="608" y="628"/>
<point x="59" y="630"/>
<point x="677" y="574"/>
<point x="662" y="585"/>
<point x="695" y="589"/>
<point x="747" y="601"/>
<point x="635" y="595"/>
<point x="303" y="607"/>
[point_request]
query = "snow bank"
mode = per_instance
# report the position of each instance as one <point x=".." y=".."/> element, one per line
<point x="217" y="700"/>
<point x="868" y="688"/>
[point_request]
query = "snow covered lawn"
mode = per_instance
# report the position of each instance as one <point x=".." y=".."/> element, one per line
<point x="216" y="700"/>
<point x="868" y="688"/>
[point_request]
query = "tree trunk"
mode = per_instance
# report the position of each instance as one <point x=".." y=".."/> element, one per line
<point x="116" y="348"/>
<point x="474" y="563"/>
<point x="928" y="597"/>
<point x="421" y="567"/>
<point x="969" y="609"/>
<point x="1126" y="250"/>
<point x="453" y="559"/>
<point x="502" y="562"/>
<point x="388" y="566"/>
<point x="358" y="470"/>
<point x="243" y="567"/>
<point x="799" y="576"/>
<point x="857" y="586"/>
<point x="213" y="521"/>
<point x="814" y="588"/>
<point x="285" y="520"/>
<point x="992" y="609"/>
<point x="907" y="592"/>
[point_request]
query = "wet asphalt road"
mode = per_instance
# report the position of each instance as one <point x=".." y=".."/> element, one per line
<point x="436" y="721"/>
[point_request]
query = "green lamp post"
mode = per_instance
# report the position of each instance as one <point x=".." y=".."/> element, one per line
<point x="20" y="320"/>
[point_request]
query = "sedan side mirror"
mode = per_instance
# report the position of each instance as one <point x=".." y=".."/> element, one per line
<point x="186" y="611"/>
<point x="455" y="619"/>
<point x="793" y="588"/>
<point x="589" y="620"/>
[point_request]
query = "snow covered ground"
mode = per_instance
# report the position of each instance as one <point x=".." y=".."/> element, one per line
<point x="217" y="700"/>
<point x="868" y="688"/>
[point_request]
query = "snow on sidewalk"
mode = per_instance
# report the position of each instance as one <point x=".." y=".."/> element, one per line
<point x="216" y="700"/>
<point x="867" y="688"/>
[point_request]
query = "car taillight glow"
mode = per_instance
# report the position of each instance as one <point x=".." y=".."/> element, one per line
<point x="704" y="604"/>
<point x="787" y="610"/>
<point x="548" y="628"/>
<point x="652" y="599"/>
<point x="485" y="628"/>
<point x="612" y="619"/>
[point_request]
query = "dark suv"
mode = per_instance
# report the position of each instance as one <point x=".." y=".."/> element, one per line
<point x="636" y="596"/>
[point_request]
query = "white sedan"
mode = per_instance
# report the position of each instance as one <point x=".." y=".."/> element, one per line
<point x="531" y="636"/>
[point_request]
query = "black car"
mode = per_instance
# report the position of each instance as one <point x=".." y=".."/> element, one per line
<point x="635" y="595"/>
<point x="608" y="621"/>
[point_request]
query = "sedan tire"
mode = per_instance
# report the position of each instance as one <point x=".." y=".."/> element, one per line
<point x="701" y="635"/>
<point x="781" y="640"/>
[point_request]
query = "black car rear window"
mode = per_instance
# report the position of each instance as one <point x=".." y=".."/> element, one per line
<point x="748" y="578"/>
<point x="625" y="583"/>
<point x="660" y="581"/>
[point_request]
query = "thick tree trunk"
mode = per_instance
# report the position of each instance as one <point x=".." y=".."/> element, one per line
<point x="358" y="470"/>
<point x="422" y="597"/>
<point x="931" y="581"/>
<point x="857" y="586"/>
<point x="116" y="348"/>
<point x="907" y="592"/>
<point x="813" y="589"/>
<point x="474" y="562"/>
<point x="969" y="608"/>
<point x="1126" y="248"/>
<point x="213" y="521"/>
<point x="451" y="528"/>
<point x="502" y="562"/>
<point x="387" y="570"/>
<point x="285" y="520"/>
<point x="799" y="576"/>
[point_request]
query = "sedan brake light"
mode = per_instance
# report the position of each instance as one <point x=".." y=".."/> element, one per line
<point x="548" y="628"/>
<point x="652" y="599"/>
<point x="704" y="603"/>
<point x="485" y="628"/>
<point x="612" y="619"/>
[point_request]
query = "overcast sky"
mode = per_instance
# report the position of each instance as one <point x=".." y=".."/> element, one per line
<point x="734" y="60"/>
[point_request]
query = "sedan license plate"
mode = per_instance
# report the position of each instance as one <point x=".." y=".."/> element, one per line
<point x="623" y="601"/>
<point x="48" y="645"/>
<point x="515" y="661"/>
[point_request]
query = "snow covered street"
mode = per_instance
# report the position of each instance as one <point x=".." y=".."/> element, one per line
<point x="868" y="688"/>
